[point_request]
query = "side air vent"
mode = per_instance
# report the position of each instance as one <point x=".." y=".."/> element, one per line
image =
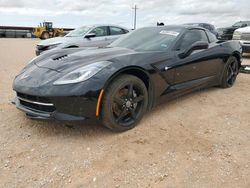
<point x="60" y="57"/>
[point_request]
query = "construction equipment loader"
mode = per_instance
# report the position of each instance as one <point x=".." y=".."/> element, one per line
<point x="46" y="30"/>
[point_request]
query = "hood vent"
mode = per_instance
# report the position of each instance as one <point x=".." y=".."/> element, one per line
<point x="60" y="58"/>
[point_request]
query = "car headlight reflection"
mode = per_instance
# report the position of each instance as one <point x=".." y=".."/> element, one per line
<point x="83" y="73"/>
<point x="237" y="35"/>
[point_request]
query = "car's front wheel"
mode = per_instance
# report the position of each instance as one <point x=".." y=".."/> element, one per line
<point x="231" y="72"/>
<point x="45" y="35"/>
<point x="124" y="103"/>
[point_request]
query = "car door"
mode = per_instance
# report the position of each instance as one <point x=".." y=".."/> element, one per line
<point x="100" y="39"/>
<point x="115" y="33"/>
<point x="201" y="66"/>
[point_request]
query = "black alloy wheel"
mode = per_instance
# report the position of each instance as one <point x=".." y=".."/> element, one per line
<point x="124" y="103"/>
<point x="231" y="73"/>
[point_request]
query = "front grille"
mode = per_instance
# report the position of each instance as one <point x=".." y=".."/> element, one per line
<point x="245" y="36"/>
<point x="34" y="98"/>
<point x="41" y="104"/>
<point x="37" y="107"/>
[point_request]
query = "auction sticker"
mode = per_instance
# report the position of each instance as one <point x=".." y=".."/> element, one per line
<point x="173" y="33"/>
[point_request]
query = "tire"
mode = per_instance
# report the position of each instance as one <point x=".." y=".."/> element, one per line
<point x="124" y="103"/>
<point x="44" y="36"/>
<point x="59" y="35"/>
<point x="230" y="73"/>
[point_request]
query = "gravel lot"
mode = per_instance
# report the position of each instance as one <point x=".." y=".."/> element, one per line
<point x="199" y="140"/>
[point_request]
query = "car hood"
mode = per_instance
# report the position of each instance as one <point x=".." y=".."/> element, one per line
<point x="69" y="59"/>
<point x="45" y="69"/>
<point x="230" y="29"/>
<point x="244" y="30"/>
<point x="59" y="40"/>
<point x="52" y="65"/>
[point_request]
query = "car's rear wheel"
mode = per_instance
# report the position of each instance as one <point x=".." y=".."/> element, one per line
<point x="231" y="72"/>
<point x="124" y="103"/>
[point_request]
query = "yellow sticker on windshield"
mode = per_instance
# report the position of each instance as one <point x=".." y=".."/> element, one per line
<point x="173" y="33"/>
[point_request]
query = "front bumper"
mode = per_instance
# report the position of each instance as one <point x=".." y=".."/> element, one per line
<point x="225" y="37"/>
<point x="245" y="46"/>
<point x="56" y="108"/>
<point x="40" y="49"/>
<point x="38" y="52"/>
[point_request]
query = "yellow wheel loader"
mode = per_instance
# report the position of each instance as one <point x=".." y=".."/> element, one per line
<point x="46" y="30"/>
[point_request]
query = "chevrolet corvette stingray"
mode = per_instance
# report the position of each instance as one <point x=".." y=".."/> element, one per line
<point x="117" y="84"/>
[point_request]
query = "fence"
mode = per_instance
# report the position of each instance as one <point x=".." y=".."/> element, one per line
<point x="19" y="32"/>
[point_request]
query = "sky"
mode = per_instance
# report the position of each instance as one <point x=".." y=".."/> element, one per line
<point x="76" y="13"/>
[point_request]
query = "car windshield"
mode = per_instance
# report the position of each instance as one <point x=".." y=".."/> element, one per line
<point x="79" y="32"/>
<point x="148" y="39"/>
<point x="220" y="30"/>
<point x="238" y="24"/>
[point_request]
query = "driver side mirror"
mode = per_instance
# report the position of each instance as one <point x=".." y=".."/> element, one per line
<point x="199" y="45"/>
<point x="90" y="35"/>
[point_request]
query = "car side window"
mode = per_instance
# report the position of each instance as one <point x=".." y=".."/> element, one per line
<point x="211" y="36"/>
<point x="208" y="27"/>
<point x="100" y="31"/>
<point x="192" y="36"/>
<point x="116" y="31"/>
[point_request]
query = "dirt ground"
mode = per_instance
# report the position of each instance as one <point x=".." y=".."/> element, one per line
<point x="199" y="140"/>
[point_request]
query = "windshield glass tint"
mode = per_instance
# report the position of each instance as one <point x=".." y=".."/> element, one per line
<point x="148" y="39"/>
<point x="79" y="32"/>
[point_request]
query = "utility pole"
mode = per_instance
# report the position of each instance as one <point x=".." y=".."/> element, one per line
<point x="135" y="8"/>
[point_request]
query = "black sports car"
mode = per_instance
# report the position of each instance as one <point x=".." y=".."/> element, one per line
<point x="119" y="83"/>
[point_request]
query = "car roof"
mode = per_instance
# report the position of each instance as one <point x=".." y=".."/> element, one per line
<point x="178" y="27"/>
<point x="198" y="23"/>
<point x="243" y="21"/>
<point x="103" y="25"/>
<point x="244" y="29"/>
<point x="194" y="27"/>
<point x="181" y="27"/>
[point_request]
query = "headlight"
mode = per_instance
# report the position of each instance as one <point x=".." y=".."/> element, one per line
<point x="53" y="46"/>
<point x="237" y="35"/>
<point x="83" y="73"/>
